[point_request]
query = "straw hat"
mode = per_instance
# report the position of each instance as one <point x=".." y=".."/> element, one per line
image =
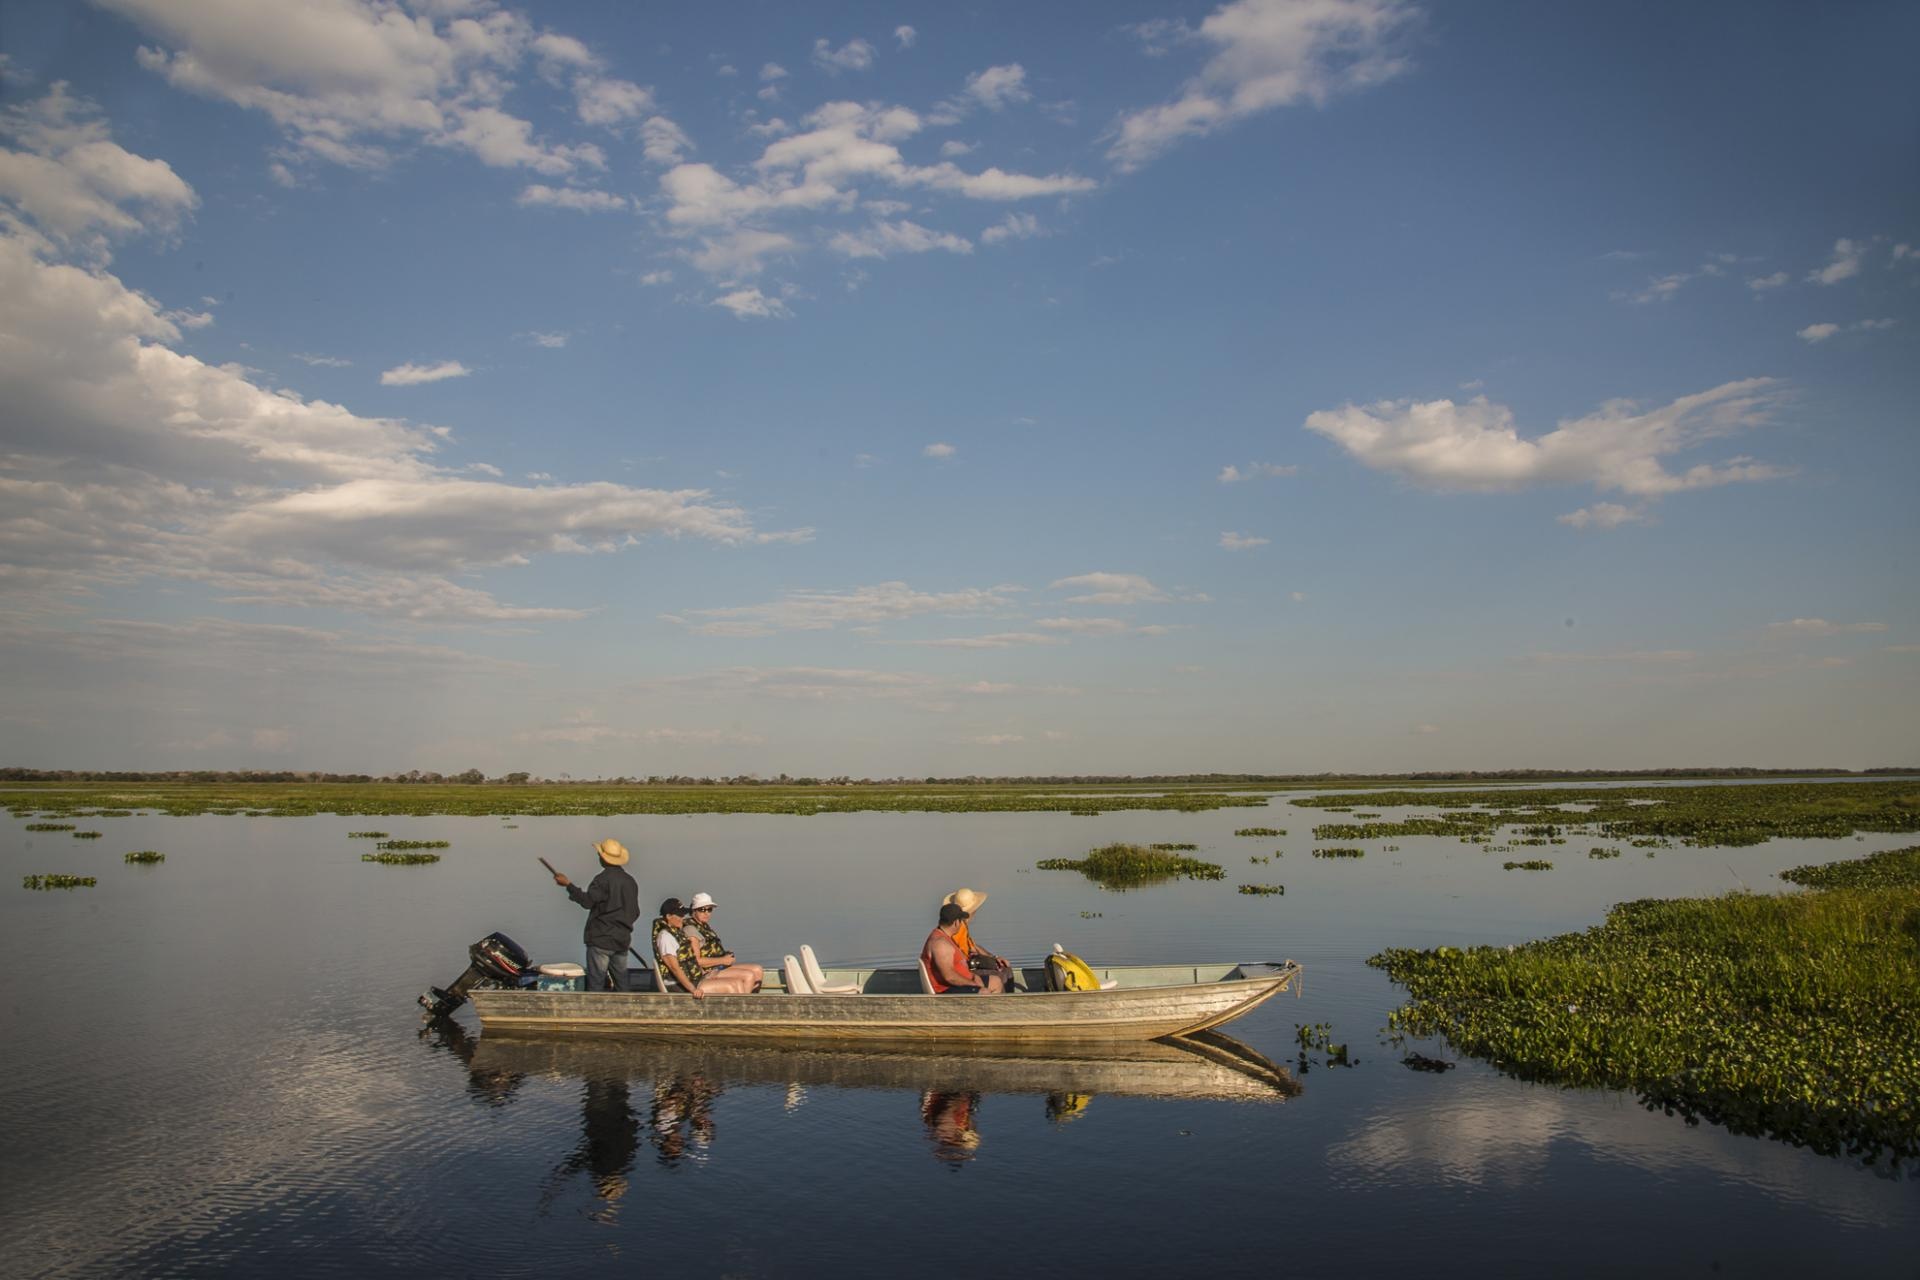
<point x="966" y="899"/>
<point x="611" y="852"/>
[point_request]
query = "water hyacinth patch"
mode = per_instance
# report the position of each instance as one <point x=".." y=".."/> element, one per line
<point x="1531" y="864"/>
<point x="48" y="826"/>
<point x="1260" y="831"/>
<point x="414" y="844"/>
<point x="145" y="857"/>
<point x="88" y="835"/>
<point x="1603" y="853"/>
<point x="1340" y="852"/>
<point x="54" y="881"/>
<point x="366" y="835"/>
<point x="1130" y="866"/>
<point x="401" y="859"/>
<point x="1262" y="889"/>
<point x="1794" y="1016"/>
<point x="1173" y="848"/>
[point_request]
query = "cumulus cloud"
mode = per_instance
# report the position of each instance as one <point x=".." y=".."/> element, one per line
<point x="72" y="181"/>
<point x="1604" y="515"/>
<point x="855" y="55"/>
<point x="1818" y="333"/>
<point x="408" y="375"/>
<point x="997" y="88"/>
<point x="1844" y="265"/>
<point x="322" y="362"/>
<point x="1268" y="54"/>
<point x="906" y="36"/>
<point x="751" y="304"/>
<point x="1761" y="284"/>
<point x="1015" y="226"/>
<point x="1110" y="588"/>
<point x="1241" y="541"/>
<point x="1619" y="448"/>
<point x="884" y="239"/>
<point x="939" y="450"/>
<point x="577" y="199"/>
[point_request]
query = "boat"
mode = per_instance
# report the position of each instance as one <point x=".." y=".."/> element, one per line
<point x="1205" y="1066"/>
<point x="890" y="1005"/>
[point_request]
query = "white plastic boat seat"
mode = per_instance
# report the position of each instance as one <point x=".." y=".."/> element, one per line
<point x="926" y="979"/>
<point x="562" y="969"/>
<point x="796" y="980"/>
<point x="817" y="980"/>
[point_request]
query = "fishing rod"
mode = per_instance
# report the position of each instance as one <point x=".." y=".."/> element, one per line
<point x="630" y="951"/>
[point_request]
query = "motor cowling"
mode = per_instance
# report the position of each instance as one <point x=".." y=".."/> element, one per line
<point x="494" y="961"/>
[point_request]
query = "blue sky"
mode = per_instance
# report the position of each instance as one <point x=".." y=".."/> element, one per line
<point x="622" y="390"/>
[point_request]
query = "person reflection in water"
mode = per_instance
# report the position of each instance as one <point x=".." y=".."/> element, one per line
<point x="949" y="1118"/>
<point x="683" y="1125"/>
<point x="609" y="1140"/>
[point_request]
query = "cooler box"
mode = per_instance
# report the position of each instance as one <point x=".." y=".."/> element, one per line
<point x="560" y="977"/>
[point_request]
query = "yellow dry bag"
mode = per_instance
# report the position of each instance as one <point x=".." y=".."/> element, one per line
<point x="1068" y="972"/>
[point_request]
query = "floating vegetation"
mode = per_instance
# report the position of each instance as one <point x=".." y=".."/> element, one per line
<point x="51" y="881"/>
<point x="414" y="844"/>
<point x="87" y="835"/>
<point x="1262" y="888"/>
<point x="145" y="857"/>
<point x="48" y="826"/>
<point x="1092" y="915"/>
<point x="1318" y="1036"/>
<point x="1260" y="831"/>
<point x="1421" y="1062"/>
<point x="366" y="835"/>
<point x="1366" y="815"/>
<point x="1531" y="864"/>
<point x="401" y="859"/>
<point x="1129" y="866"/>
<point x="1339" y="852"/>
<point x="1261" y="859"/>
<point x="1895" y="868"/>
<point x="1598" y="852"/>
<point x="1173" y="848"/>
<point x="1796" y="1016"/>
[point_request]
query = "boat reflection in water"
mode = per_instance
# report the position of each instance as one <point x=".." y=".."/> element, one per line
<point x="686" y="1078"/>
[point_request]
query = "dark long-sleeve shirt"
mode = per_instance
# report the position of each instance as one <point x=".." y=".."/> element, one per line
<point x="613" y="904"/>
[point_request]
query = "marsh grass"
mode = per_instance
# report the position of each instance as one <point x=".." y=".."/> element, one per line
<point x="1796" y="1016"/>
<point x="1131" y="866"/>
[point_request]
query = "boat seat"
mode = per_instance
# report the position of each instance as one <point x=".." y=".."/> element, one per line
<point x="817" y="979"/>
<point x="926" y="979"/>
<point x="796" y="980"/>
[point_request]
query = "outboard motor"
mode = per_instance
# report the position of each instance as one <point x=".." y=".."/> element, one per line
<point x="494" y="961"/>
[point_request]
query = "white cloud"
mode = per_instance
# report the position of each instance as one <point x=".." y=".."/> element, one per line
<point x="997" y="739"/>
<point x="408" y="375"/>
<point x="1110" y="588"/>
<point x="883" y="239"/>
<point x="855" y="55"/>
<point x="653" y="279"/>
<point x="1844" y="265"/>
<point x="599" y="100"/>
<point x="999" y="640"/>
<point x="1475" y="447"/>
<point x="1015" y="226"/>
<point x="803" y="610"/>
<point x="664" y="142"/>
<point x="838" y="684"/>
<point x="1817" y="333"/>
<point x="322" y="362"/>
<point x="1268" y="54"/>
<point x="1660" y="288"/>
<point x="539" y="194"/>
<point x="1087" y="626"/>
<point x="1760" y="284"/>
<point x="1233" y="474"/>
<point x="1905" y="253"/>
<point x="552" y="341"/>
<point x="1241" y="541"/>
<point x="751" y="304"/>
<point x="76" y="184"/>
<point x="1604" y="515"/>
<point x="1821" y="627"/>
<point x="939" y="450"/>
<point x="906" y="36"/>
<point x="773" y="71"/>
<point x="1298" y="597"/>
<point x="997" y="88"/>
<point x="953" y="149"/>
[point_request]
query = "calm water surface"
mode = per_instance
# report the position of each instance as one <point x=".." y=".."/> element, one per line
<point x="215" y="1066"/>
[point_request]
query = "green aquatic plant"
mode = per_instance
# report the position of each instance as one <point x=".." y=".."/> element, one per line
<point x="1340" y="852"/>
<point x="145" y="857"/>
<point x="1796" y="1016"/>
<point x="88" y="835"/>
<point x="1597" y="852"/>
<point x="1173" y="848"/>
<point x="1893" y="869"/>
<point x="366" y="835"/>
<point x="1129" y="866"/>
<point x="48" y="826"/>
<point x="1260" y="831"/>
<point x="55" y="881"/>
<point x="1262" y="888"/>
<point x="1531" y="864"/>
<point x="414" y="844"/>
<point x="401" y="859"/>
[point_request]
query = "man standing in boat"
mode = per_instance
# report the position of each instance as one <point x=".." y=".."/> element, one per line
<point x="612" y="901"/>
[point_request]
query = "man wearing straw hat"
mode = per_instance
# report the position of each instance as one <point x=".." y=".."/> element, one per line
<point x="613" y="904"/>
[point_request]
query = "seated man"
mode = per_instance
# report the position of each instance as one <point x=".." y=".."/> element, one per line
<point x="679" y="962"/>
<point x="947" y="963"/>
<point x="708" y="949"/>
<point x="979" y="959"/>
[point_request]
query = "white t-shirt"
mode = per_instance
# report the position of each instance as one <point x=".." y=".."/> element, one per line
<point x="665" y="945"/>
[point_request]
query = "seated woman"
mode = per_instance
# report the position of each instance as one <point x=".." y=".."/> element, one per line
<point x="979" y="958"/>
<point x="708" y="949"/>
<point x="947" y="964"/>
<point x="679" y="962"/>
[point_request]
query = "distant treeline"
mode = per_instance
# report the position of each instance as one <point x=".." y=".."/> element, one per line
<point x="474" y="777"/>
